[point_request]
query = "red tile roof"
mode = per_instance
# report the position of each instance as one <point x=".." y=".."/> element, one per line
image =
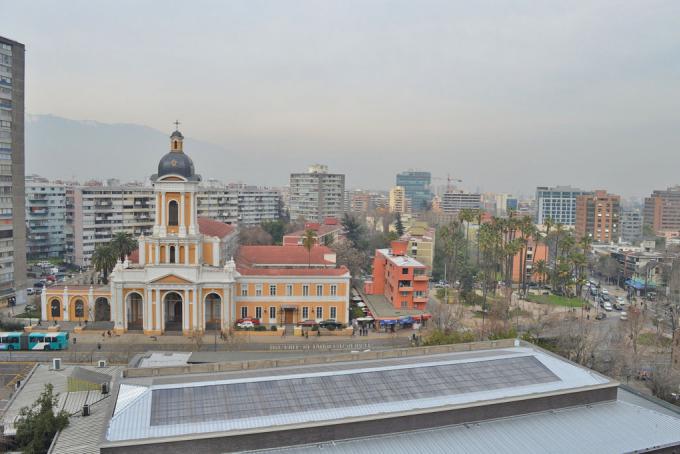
<point x="245" y="271"/>
<point x="214" y="228"/>
<point x="282" y="255"/>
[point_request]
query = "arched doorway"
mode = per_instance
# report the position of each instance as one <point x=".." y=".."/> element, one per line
<point x="172" y="303"/>
<point x="79" y="310"/>
<point x="102" y="310"/>
<point x="213" y="304"/>
<point x="55" y="308"/>
<point x="173" y="213"/>
<point x="135" y="313"/>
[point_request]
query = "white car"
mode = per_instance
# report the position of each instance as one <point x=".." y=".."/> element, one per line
<point x="246" y="324"/>
<point x="604" y="291"/>
<point x="624" y="316"/>
<point x="620" y="300"/>
<point x="608" y="307"/>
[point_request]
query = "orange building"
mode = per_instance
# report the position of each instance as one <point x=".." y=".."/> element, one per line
<point x="401" y="279"/>
<point x="597" y="215"/>
<point x="534" y="254"/>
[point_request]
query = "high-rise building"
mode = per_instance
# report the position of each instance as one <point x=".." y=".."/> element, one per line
<point x="12" y="196"/>
<point x="416" y="185"/>
<point x="99" y="212"/>
<point x="557" y="203"/>
<point x="454" y="201"/>
<point x="399" y="203"/>
<point x="45" y="218"/>
<point x="631" y="225"/>
<point x="597" y="215"/>
<point x="360" y="201"/>
<point x="662" y="211"/>
<point x="317" y="194"/>
<point x="257" y="205"/>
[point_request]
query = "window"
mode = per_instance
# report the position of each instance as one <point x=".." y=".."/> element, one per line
<point x="404" y="304"/>
<point x="289" y="290"/>
<point x="319" y="290"/>
<point x="272" y="290"/>
<point x="305" y="290"/>
<point x="244" y="289"/>
<point x="258" y="290"/>
<point x="272" y="312"/>
<point x="334" y="313"/>
<point x="319" y="312"/>
<point x="404" y="271"/>
<point x="172" y="254"/>
<point x="56" y="308"/>
<point x="258" y="312"/>
<point x="173" y="213"/>
<point x="305" y="313"/>
<point x="80" y="309"/>
<point x="334" y="290"/>
<point x="244" y="311"/>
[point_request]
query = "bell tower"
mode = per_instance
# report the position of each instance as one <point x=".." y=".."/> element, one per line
<point x="175" y="238"/>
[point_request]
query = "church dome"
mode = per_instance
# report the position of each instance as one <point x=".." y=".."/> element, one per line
<point x="176" y="163"/>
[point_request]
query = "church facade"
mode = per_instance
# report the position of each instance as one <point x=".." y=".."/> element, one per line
<point x="190" y="276"/>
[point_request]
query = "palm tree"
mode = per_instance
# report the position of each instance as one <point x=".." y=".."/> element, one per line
<point x="308" y="241"/>
<point x="467" y="215"/>
<point x="540" y="268"/>
<point x="104" y="259"/>
<point x="123" y="244"/>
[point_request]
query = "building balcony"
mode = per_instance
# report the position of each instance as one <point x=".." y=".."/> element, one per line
<point x="421" y="277"/>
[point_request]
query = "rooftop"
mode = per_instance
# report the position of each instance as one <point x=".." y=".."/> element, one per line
<point x="281" y="398"/>
<point x="400" y="260"/>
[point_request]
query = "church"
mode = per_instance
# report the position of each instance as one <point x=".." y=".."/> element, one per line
<point x="191" y="276"/>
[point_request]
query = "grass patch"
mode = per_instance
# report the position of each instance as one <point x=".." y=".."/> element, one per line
<point x="652" y="339"/>
<point x="555" y="300"/>
<point x="28" y="314"/>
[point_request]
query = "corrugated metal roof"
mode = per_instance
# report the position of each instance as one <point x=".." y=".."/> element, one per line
<point x="613" y="427"/>
<point x="135" y="420"/>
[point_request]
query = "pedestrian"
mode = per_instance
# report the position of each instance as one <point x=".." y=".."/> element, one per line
<point x="306" y="334"/>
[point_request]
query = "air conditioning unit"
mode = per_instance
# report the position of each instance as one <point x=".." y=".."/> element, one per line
<point x="56" y="363"/>
<point x="86" y="410"/>
<point x="17" y="385"/>
<point x="101" y="363"/>
<point x="105" y="388"/>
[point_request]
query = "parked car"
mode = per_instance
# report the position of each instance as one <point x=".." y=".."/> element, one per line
<point x="601" y="316"/>
<point x="246" y="324"/>
<point x="624" y="316"/>
<point x="617" y="307"/>
<point x="608" y="307"/>
<point x="38" y="285"/>
<point x="330" y="324"/>
<point x="29" y="291"/>
<point x="604" y="298"/>
<point x="604" y="291"/>
<point x="254" y="321"/>
<point x="621" y="300"/>
<point x="308" y="323"/>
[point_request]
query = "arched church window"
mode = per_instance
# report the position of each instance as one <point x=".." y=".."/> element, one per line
<point x="174" y="145"/>
<point x="172" y="254"/>
<point x="56" y="308"/>
<point x="80" y="309"/>
<point x="173" y="213"/>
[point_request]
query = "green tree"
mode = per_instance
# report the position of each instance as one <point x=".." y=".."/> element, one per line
<point x="123" y="244"/>
<point x="38" y="424"/>
<point x="540" y="268"/>
<point x="308" y="242"/>
<point x="354" y="230"/>
<point x="399" y="226"/>
<point x="104" y="259"/>
<point x="275" y="229"/>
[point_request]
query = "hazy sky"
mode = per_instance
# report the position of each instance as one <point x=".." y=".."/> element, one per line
<point x="505" y="95"/>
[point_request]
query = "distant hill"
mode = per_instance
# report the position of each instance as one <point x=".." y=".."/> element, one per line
<point x="57" y="147"/>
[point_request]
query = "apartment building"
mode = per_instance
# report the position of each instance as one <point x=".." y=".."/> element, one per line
<point x="631" y="225"/>
<point x="597" y="215"/>
<point x="454" y="201"/>
<point x="399" y="203"/>
<point x="99" y="212"/>
<point x="326" y="234"/>
<point x="316" y="194"/>
<point x="359" y="201"/>
<point x="558" y="204"/>
<point x="662" y="210"/>
<point x="421" y="240"/>
<point x="12" y="196"/>
<point x="399" y="278"/>
<point x="45" y="218"/>
<point x="416" y="186"/>
<point x="239" y="204"/>
<point x="215" y="201"/>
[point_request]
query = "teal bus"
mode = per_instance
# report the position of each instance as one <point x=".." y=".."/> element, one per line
<point x="33" y="341"/>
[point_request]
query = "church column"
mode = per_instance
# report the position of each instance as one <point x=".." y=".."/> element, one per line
<point x="160" y="325"/>
<point x="195" y="303"/>
<point x="182" y="223"/>
<point x="158" y="253"/>
<point x="147" y="310"/>
<point x="66" y="303"/>
<point x="192" y="225"/>
<point x="90" y="304"/>
<point x="185" y="311"/>
<point x="225" y="312"/>
<point x="142" y="252"/>
<point x="187" y="248"/>
<point x="163" y="231"/>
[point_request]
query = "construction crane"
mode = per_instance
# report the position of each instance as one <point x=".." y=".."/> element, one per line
<point x="449" y="180"/>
